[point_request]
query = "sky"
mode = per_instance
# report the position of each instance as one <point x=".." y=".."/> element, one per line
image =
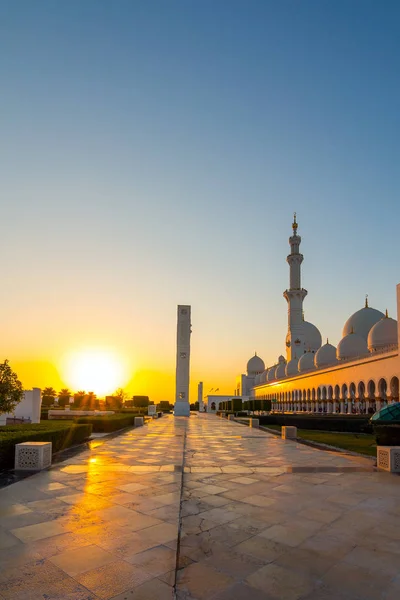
<point x="152" y="154"/>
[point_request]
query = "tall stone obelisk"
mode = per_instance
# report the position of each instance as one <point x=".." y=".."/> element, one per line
<point x="184" y="329"/>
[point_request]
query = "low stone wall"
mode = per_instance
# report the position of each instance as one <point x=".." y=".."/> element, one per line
<point x="71" y="414"/>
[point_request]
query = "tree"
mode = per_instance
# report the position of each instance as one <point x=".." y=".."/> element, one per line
<point x="140" y="402"/>
<point x="48" y="396"/>
<point x="64" y="396"/>
<point x="11" y="390"/>
<point x="79" y="398"/>
<point x="113" y="402"/>
<point x="91" y="400"/>
<point x="121" y="395"/>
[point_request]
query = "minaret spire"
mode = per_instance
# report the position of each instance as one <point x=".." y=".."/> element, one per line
<point x="294" y="297"/>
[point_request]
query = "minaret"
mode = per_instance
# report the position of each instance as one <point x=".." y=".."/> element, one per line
<point x="295" y="296"/>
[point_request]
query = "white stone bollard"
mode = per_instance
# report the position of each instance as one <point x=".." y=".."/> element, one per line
<point x="139" y="421"/>
<point x="388" y="458"/>
<point x="289" y="433"/>
<point x="254" y="423"/>
<point x="32" y="456"/>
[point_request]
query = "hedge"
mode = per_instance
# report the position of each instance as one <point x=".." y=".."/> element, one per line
<point x="60" y="435"/>
<point x="108" y="424"/>
<point x="326" y="423"/>
<point x="387" y="435"/>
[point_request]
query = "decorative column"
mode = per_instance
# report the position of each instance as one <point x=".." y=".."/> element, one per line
<point x="342" y="407"/>
<point x="334" y="406"/>
<point x="378" y="403"/>
<point x="366" y="406"/>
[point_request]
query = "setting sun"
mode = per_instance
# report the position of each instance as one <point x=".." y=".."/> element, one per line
<point x="97" y="370"/>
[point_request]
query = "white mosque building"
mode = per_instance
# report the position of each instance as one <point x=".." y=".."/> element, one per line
<point x="360" y="375"/>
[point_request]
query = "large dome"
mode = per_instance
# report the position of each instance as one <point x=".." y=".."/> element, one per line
<point x="280" y="370"/>
<point x="292" y="368"/>
<point x="383" y="335"/>
<point x="306" y="362"/>
<point x="325" y="356"/>
<point x="312" y="336"/>
<point x="351" y="346"/>
<point x="255" y="365"/>
<point x="362" y="321"/>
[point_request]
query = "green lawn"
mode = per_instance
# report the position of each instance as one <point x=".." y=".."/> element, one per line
<point x="355" y="442"/>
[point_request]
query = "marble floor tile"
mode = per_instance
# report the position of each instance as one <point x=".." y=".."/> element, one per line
<point x="76" y="561"/>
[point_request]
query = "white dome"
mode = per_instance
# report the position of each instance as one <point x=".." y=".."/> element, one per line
<point x="292" y="368"/>
<point x="280" y="370"/>
<point x="306" y="362"/>
<point x="351" y="346"/>
<point x="383" y="334"/>
<point x="312" y="336"/>
<point x="271" y="373"/>
<point x="362" y="321"/>
<point x="325" y="356"/>
<point x="255" y="365"/>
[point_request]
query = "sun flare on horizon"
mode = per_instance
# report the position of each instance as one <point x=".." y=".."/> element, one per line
<point x="95" y="369"/>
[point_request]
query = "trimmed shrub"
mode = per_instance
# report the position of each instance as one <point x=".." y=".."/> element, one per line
<point x="60" y="435"/>
<point x="351" y="424"/>
<point x="387" y="435"/>
<point x="110" y="423"/>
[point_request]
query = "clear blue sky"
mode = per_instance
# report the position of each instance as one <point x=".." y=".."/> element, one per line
<point x="153" y="153"/>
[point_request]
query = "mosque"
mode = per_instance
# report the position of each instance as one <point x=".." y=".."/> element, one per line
<point x="359" y="376"/>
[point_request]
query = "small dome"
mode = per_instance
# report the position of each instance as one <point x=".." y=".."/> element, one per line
<point x="271" y="373"/>
<point x="325" y="356"/>
<point x="292" y="368"/>
<point x="351" y="346"/>
<point x="255" y="365"/>
<point x="312" y="336"/>
<point x="362" y="321"/>
<point x="383" y="334"/>
<point x="280" y="370"/>
<point x="306" y="362"/>
<point x="263" y="376"/>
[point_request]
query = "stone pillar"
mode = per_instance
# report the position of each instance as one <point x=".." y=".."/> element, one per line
<point x="342" y="407"/>
<point x="329" y="407"/>
<point x="378" y="402"/>
<point x="334" y="407"/>
<point x="182" y="407"/>
<point x="366" y="406"/>
<point x="349" y="407"/>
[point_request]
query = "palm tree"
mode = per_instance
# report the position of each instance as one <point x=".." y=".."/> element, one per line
<point x="64" y="396"/>
<point x="91" y="400"/>
<point x="79" y="398"/>
<point x="48" y="396"/>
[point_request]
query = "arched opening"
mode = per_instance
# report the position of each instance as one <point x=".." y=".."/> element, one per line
<point x="308" y="395"/>
<point x="382" y="388"/>
<point x="337" y="392"/>
<point x="323" y="393"/>
<point x="352" y="391"/>
<point x="313" y="394"/>
<point x="371" y="390"/>
<point x="212" y="405"/>
<point x="330" y="392"/>
<point x="344" y="391"/>
<point x="394" y="389"/>
<point x="361" y="390"/>
<point x="319" y="394"/>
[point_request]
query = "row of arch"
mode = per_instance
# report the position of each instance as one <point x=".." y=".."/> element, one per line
<point x="361" y="391"/>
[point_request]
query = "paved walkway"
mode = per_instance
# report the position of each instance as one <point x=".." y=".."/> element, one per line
<point x="256" y="518"/>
